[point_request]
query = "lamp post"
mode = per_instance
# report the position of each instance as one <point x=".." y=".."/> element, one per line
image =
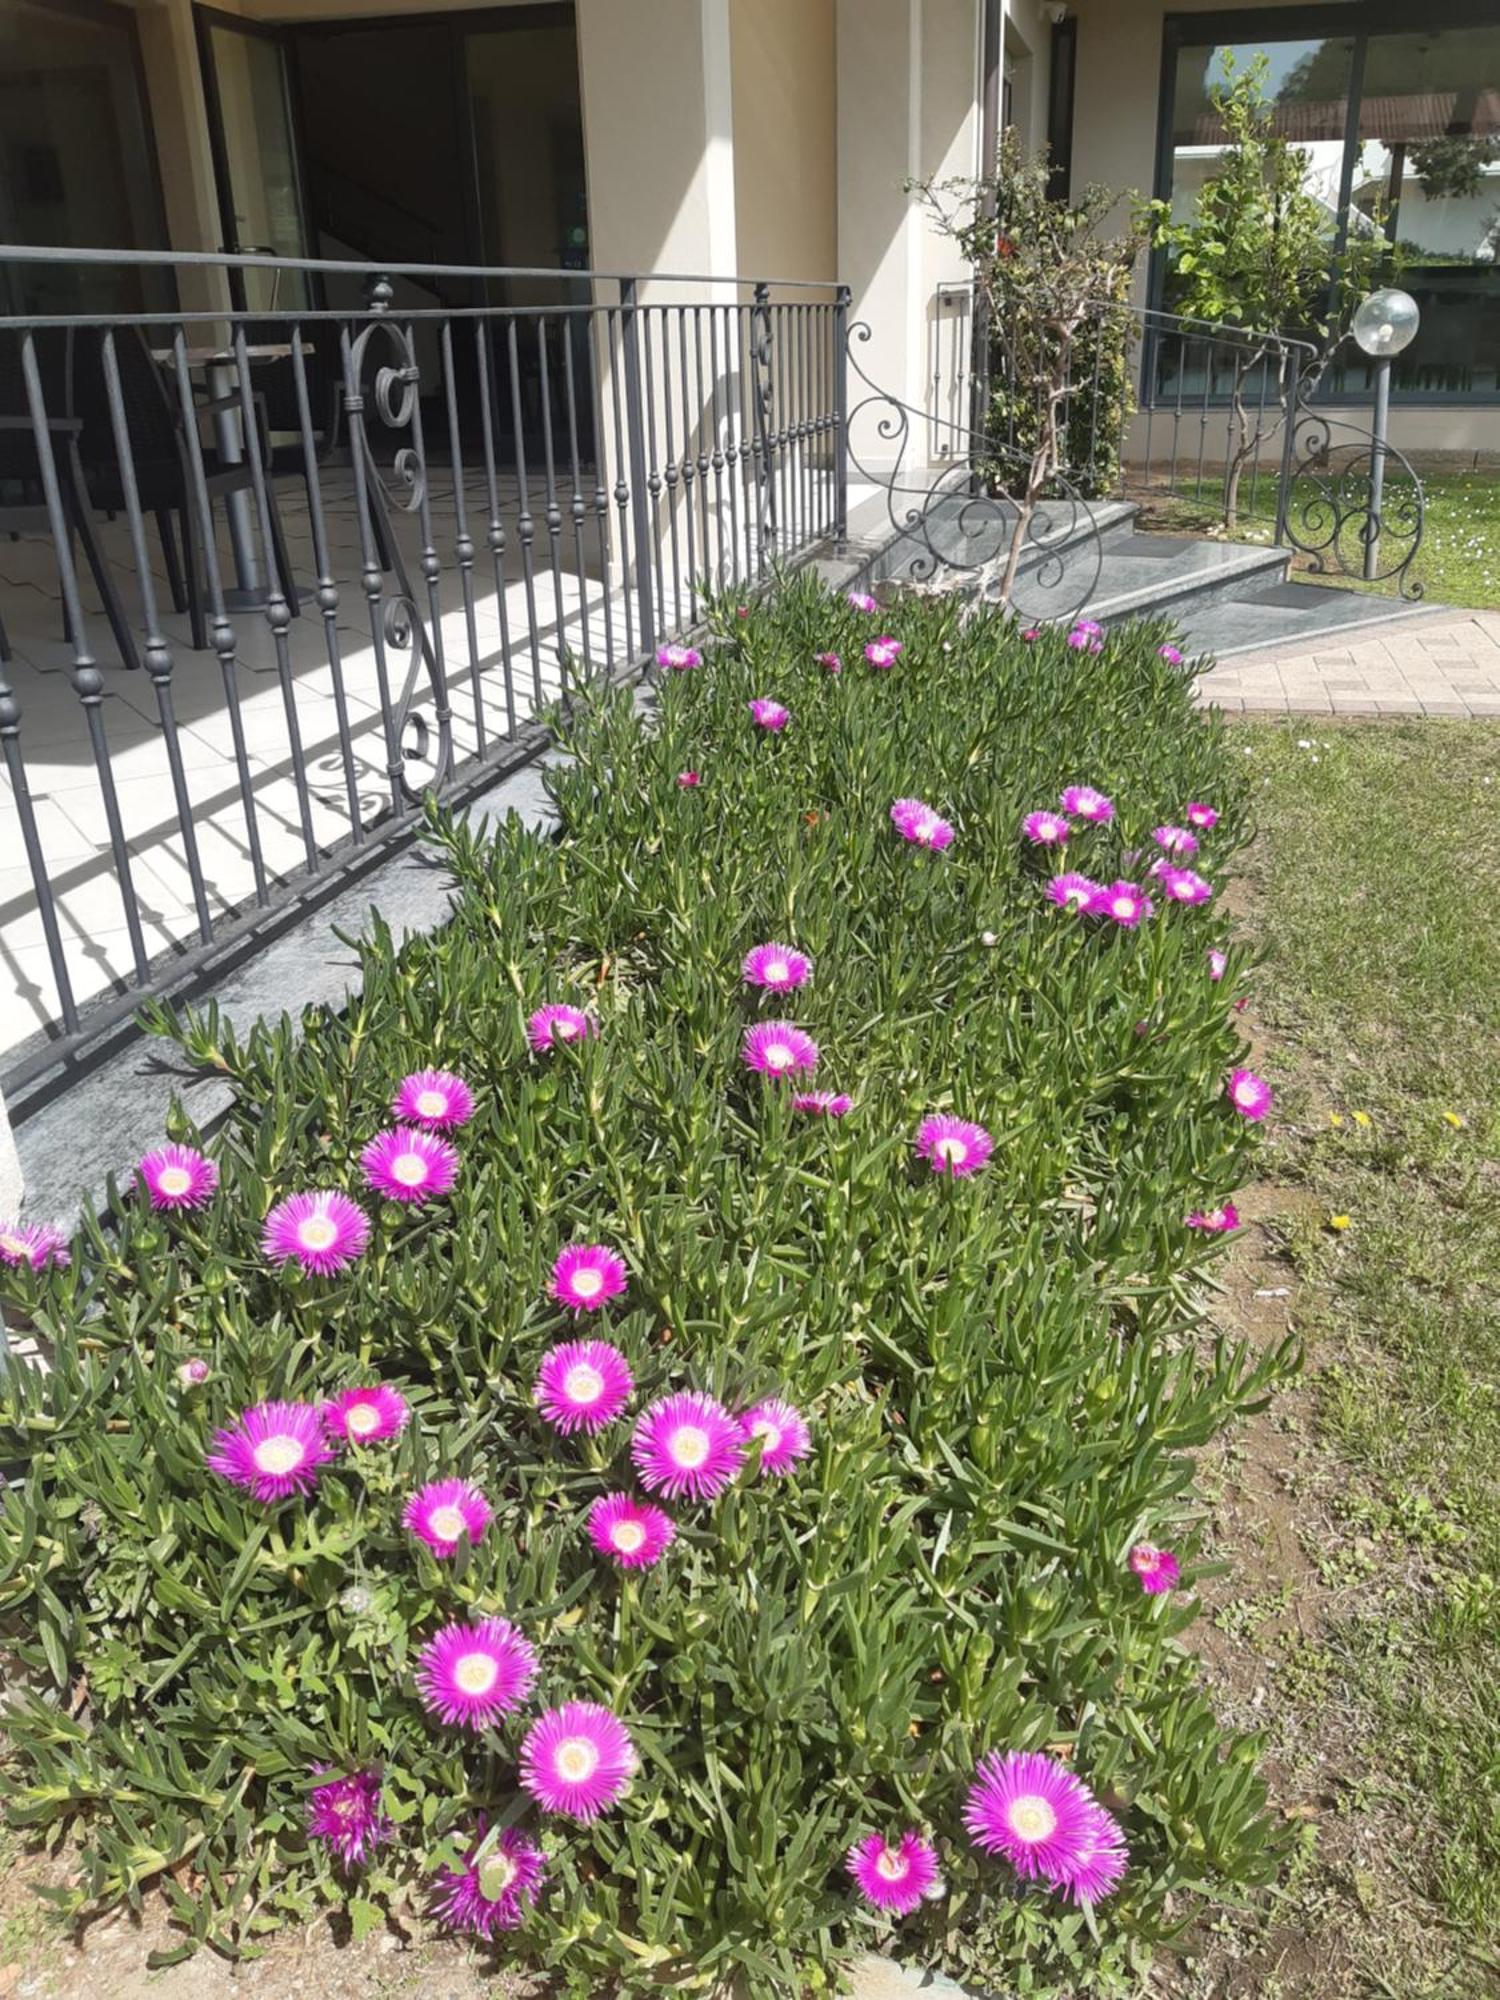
<point x="1385" y="324"/>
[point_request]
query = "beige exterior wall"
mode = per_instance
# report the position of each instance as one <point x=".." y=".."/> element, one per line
<point x="785" y="137"/>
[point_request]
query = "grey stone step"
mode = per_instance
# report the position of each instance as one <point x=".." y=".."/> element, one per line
<point x="1285" y="614"/>
<point x="1165" y="573"/>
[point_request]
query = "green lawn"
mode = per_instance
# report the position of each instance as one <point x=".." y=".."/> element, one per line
<point x="1459" y="558"/>
<point x="1375" y="886"/>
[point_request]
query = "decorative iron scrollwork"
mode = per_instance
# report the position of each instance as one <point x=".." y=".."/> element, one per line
<point x="1329" y="511"/>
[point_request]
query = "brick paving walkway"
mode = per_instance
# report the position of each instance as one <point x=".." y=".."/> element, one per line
<point x="1437" y="663"/>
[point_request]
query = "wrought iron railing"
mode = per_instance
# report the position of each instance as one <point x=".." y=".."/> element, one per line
<point x="267" y="581"/>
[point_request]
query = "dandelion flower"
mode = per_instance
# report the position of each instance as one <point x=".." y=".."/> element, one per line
<point x="687" y="1446"/>
<point x="1073" y="893"/>
<point x="582" y="1385"/>
<point x="769" y="715"/>
<point x="918" y="823"/>
<point x="894" y="1875"/>
<point x="577" y="1760"/>
<point x="323" y="1231"/>
<point x="776" y="966"/>
<point x="1045" y="829"/>
<point x="496" y="1886"/>
<point x="409" y="1165"/>
<point x="884" y="651"/>
<point x="366" y="1416"/>
<point x="630" y="1532"/>
<point x="471" y="1674"/>
<point x="1084" y="802"/>
<point x="178" y="1177"/>
<point x="1123" y="903"/>
<point x="344" y="1815"/>
<point x="1249" y="1094"/>
<point x="783" y="1433"/>
<point x="434" y="1098"/>
<point x="550" y="1025"/>
<point x="953" y="1145"/>
<point x="587" y="1276"/>
<point x="1339" y="1223"/>
<point x="273" y="1451"/>
<point x="777" y="1048"/>
<point x="1158" y="1569"/>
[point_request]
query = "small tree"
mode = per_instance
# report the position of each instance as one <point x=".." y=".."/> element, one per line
<point x="1051" y="288"/>
<point x="1262" y="255"/>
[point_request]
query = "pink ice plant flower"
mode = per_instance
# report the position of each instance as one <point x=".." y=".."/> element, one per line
<point x="323" y="1231"/>
<point x="470" y="1674"/>
<point x="1214" y="1221"/>
<point x="444" y="1511"/>
<point x="894" y="1875"/>
<point x="687" y="1446"/>
<point x="1089" y="627"/>
<point x="689" y="780"/>
<point x="861" y="600"/>
<point x="823" y="1103"/>
<point x="366" y="1416"/>
<point x="769" y="715"/>
<point x="495" y="1888"/>
<point x="884" y="651"/>
<point x="1157" y="1569"/>
<point x="1084" y="802"/>
<point x="1073" y="893"/>
<point x="1175" y="840"/>
<point x="587" y="1276"/>
<point x="1205" y="818"/>
<point x="777" y="967"/>
<point x="1218" y="963"/>
<point x="1032" y="632"/>
<point x="630" y="1532"/>
<point x="1084" y="642"/>
<point x="344" y="1815"/>
<point x="433" y="1099"/>
<point x="178" y="1177"/>
<point x="582" y="1385"/>
<point x="37" y="1244"/>
<point x="1170" y="654"/>
<point x="558" y="1023"/>
<point x="193" y="1373"/>
<point x="1249" y="1094"/>
<point x="778" y="1048"/>
<point x="1123" y="903"/>
<point x="577" y="1760"/>
<point x="829" y="662"/>
<point x="1046" y="1822"/>
<point x="1181" y="885"/>
<point x="917" y="822"/>
<point x="1045" y="829"/>
<point x="406" y="1164"/>
<point x="783" y="1433"/>
<point x="954" y="1146"/>
<point x="677" y="659"/>
<point x="273" y="1450"/>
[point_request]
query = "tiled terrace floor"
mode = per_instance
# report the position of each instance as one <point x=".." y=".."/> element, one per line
<point x="1445" y="664"/>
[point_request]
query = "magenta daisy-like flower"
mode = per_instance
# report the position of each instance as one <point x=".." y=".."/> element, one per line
<point x="630" y="1532"/>
<point x="1170" y="654"/>
<point x="1089" y="627"/>
<point x="1181" y="885"/>
<point x="769" y="715"/>
<point x="829" y="662"/>
<point x="1214" y="1221"/>
<point x="1218" y="964"/>
<point x="953" y="1145"/>
<point x="577" y="1760"/>
<point x="1158" y="1569"/>
<point x="1084" y="802"/>
<point x="783" y="1433"/>
<point x="345" y="1816"/>
<point x="366" y="1416"/>
<point x="409" y="1165"/>
<point x="273" y="1451"/>
<point x="777" y="1048"/>
<point x="190" y="1374"/>
<point x="1084" y="642"/>
<point x="1205" y="818"/>
<point x="587" y="1276"/>
<point x="917" y="822"/>
<point x="178" y="1177"/>
<point x="822" y="1103"/>
<point x="687" y="1446"/>
<point x="434" y="1098"/>
<point x="444" y="1511"/>
<point x="1175" y="840"/>
<point x="582" y="1385"/>
<point x="469" y="1674"/>
<point x="897" y="1874"/>
<point x="776" y="966"/>
<point x="324" y="1231"/>
<point x="551" y="1025"/>
<point x="1249" y="1094"/>
<point x="690" y="780"/>
<point x="495" y="1888"/>
<point x="1045" y="829"/>
<point x="1032" y="632"/>
<point x="1123" y="903"/>
<point x="1101" y="1861"/>
<point x="1073" y="893"/>
<point x="38" y="1244"/>
<point x="884" y="651"/>
<point x="677" y="659"/>
<point x="1031" y="1808"/>
<point x="861" y="600"/>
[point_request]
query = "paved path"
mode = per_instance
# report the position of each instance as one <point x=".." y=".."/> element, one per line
<point x="1444" y="663"/>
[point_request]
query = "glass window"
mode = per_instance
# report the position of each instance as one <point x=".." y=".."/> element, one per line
<point x="1307" y="81"/>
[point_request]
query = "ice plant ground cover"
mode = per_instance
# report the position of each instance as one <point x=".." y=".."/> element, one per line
<point x="804" y="1638"/>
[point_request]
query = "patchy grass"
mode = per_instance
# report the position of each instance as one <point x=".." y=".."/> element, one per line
<point x="1373" y="1644"/>
<point x="1457" y="563"/>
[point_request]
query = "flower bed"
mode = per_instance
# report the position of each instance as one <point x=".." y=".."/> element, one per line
<point x="660" y="1437"/>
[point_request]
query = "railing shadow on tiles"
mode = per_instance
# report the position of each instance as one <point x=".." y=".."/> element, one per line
<point x="269" y="580"/>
